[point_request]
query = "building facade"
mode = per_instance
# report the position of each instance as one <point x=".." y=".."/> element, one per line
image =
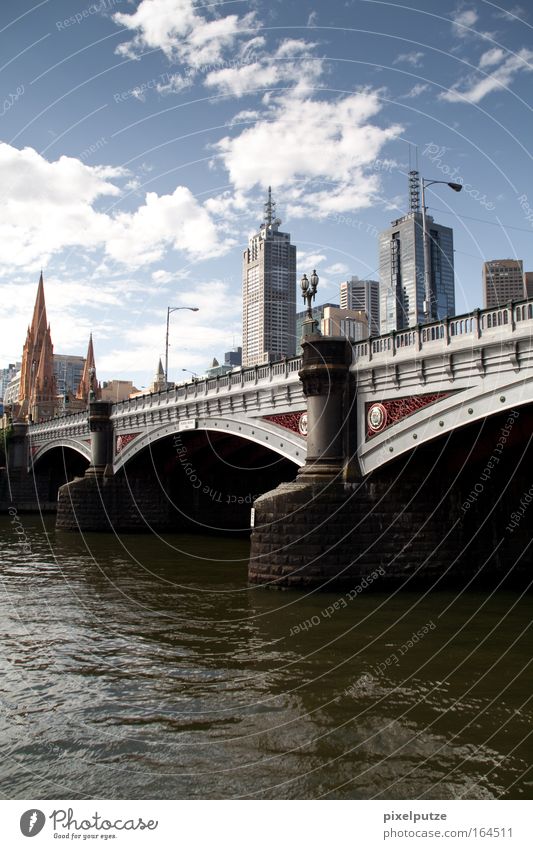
<point x="68" y="371"/>
<point x="528" y="283"/>
<point x="233" y="358"/>
<point x="401" y="271"/>
<point x="352" y="324"/>
<point x="318" y="315"/>
<point x="363" y="295"/>
<point x="269" y="293"/>
<point x="6" y="376"/>
<point x="503" y="281"/>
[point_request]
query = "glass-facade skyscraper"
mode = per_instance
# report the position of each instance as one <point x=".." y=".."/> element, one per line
<point x="401" y="271"/>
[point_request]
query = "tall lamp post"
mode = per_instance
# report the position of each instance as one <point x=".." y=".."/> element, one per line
<point x="309" y="287"/>
<point x="428" y="294"/>
<point x="169" y="310"/>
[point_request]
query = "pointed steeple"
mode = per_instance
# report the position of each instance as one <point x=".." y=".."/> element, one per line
<point x="159" y="383"/>
<point x="44" y="384"/>
<point x="37" y="340"/>
<point x="39" y="320"/>
<point x="88" y="380"/>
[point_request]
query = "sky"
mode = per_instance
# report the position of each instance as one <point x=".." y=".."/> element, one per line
<point x="138" y="139"/>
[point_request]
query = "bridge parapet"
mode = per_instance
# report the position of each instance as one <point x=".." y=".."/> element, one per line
<point x="477" y="327"/>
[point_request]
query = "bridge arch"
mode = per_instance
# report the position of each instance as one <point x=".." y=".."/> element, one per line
<point x="455" y="412"/>
<point x="82" y="448"/>
<point x="277" y="439"/>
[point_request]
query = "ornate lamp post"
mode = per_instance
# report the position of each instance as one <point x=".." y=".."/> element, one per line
<point x="428" y="294"/>
<point x="169" y="310"/>
<point x="309" y="287"/>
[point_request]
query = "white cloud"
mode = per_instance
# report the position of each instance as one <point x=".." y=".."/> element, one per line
<point x="337" y="268"/>
<point x="415" y="91"/>
<point x="299" y="139"/>
<point x="177" y="221"/>
<point x="513" y="14"/>
<point x="476" y="87"/>
<point x="463" y="21"/>
<point x="290" y="63"/>
<point x="50" y="206"/>
<point x="179" y="29"/>
<point x="491" y="57"/>
<point x="247" y="116"/>
<point x="192" y="335"/>
<point x="414" y="58"/>
<point x="308" y="260"/>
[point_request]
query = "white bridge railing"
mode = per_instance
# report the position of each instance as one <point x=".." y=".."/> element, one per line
<point x="489" y="324"/>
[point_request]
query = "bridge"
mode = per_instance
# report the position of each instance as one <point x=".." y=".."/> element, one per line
<point x="350" y="436"/>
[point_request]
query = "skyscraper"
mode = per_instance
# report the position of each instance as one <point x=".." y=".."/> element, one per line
<point x="269" y="293"/>
<point x="363" y="295"/>
<point x="503" y="281"/>
<point x="401" y="269"/>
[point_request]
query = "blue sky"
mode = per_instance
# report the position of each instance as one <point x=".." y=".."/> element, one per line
<point x="138" y="139"/>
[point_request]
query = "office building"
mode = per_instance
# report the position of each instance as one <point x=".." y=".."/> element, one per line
<point x="269" y="293"/>
<point x="233" y="358"/>
<point x="401" y="269"/>
<point x="363" y="295"/>
<point x="6" y="376"/>
<point x="503" y="281"/>
<point x="352" y="324"/>
<point x="68" y="372"/>
<point x="318" y="315"/>
<point x="528" y="283"/>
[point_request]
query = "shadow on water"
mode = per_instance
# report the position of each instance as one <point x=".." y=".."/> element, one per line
<point x="145" y="667"/>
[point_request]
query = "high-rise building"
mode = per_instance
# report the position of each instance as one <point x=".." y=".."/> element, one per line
<point x="318" y="315"/>
<point x="352" y="324"/>
<point x="503" y="281"/>
<point x="6" y="376"/>
<point x="363" y="295"/>
<point x="233" y="358"/>
<point x="528" y="283"/>
<point x="68" y="371"/>
<point x="401" y="268"/>
<point x="269" y="293"/>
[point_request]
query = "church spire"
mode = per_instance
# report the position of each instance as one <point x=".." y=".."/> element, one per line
<point x="88" y="380"/>
<point x="39" y="322"/>
<point x="38" y="342"/>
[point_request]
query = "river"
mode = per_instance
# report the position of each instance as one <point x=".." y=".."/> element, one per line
<point x="145" y="667"/>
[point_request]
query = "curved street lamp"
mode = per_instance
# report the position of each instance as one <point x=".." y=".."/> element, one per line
<point x="428" y="294"/>
<point x="169" y="310"/>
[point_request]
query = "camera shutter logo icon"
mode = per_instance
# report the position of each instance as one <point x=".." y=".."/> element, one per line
<point x="32" y="822"/>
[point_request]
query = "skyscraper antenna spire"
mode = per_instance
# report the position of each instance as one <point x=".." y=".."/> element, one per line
<point x="270" y="208"/>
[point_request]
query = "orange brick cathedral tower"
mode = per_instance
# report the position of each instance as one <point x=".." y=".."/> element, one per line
<point x="38" y="393"/>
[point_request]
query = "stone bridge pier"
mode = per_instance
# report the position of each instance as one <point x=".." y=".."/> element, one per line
<point x="104" y="501"/>
<point x="403" y="525"/>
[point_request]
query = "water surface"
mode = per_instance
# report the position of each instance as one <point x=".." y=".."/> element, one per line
<point x="138" y="667"/>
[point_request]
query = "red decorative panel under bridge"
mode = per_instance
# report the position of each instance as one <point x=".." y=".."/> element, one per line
<point x="122" y="440"/>
<point x="296" y="422"/>
<point x="381" y="415"/>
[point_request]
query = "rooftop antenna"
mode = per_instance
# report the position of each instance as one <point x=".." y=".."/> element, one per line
<point x="414" y="182"/>
<point x="270" y="207"/>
